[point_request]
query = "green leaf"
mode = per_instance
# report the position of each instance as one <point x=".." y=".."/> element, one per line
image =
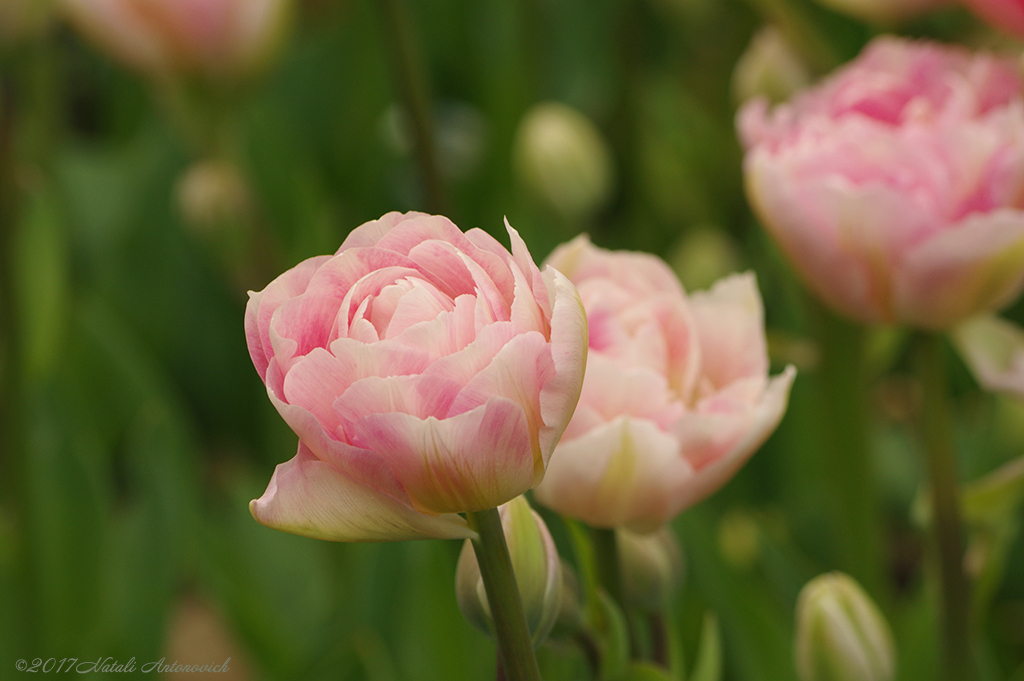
<point x="708" y="666"/>
<point x="41" y="281"/>
<point x="645" y="671"/>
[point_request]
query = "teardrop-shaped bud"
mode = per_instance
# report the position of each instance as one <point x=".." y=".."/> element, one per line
<point x="840" y="633"/>
<point x="536" y="566"/>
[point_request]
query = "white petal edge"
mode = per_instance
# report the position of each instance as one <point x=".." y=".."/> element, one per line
<point x="309" y="497"/>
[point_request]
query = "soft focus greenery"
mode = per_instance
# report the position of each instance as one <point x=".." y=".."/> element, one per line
<point x="134" y="430"/>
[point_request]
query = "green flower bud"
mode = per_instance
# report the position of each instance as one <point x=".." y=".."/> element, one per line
<point x="840" y="633"/>
<point x="770" y="68"/>
<point x="212" y="193"/>
<point x="652" y="567"/>
<point x="562" y="157"/>
<point x="536" y="566"/>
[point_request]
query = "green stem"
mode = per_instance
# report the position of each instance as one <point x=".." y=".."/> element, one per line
<point x="937" y="438"/>
<point x="606" y="555"/>
<point x="515" y="648"/>
<point x="851" y="489"/>
<point x="609" y="573"/>
<point x="414" y="87"/>
<point x="659" y="639"/>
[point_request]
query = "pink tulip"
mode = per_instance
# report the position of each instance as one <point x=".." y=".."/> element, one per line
<point x="213" y="38"/>
<point x="896" y="186"/>
<point x="1005" y="14"/>
<point x="676" y="397"/>
<point x="426" y="372"/>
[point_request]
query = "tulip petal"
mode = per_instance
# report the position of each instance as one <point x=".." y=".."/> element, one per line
<point x="309" y="497"/>
<point x="470" y="462"/>
<point x="623" y="473"/>
<point x="262" y="306"/>
<point x="993" y="349"/>
<point x="569" y="341"/>
<point x="974" y="266"/>
<point x="370" y="233"/>
<point x="720" y="442"/>
<point x="730" y="324"/>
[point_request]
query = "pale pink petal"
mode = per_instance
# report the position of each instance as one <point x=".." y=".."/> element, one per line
<point x="569" y="342"/>
<point x="261" y="307"/>
<point x="993" y="349"/>
<point x="332" y="447"/>
<point x="977" y="265"/>
<point x="518" y="372"/>
<point x="423" y="303"/>
<point x="448" y="333"/>
<point x="417" y="228"/>
<point x="120" y="27"/>
<point x="720" y="442"/>
<point x="612" y="389"/>
<point x="633" y="271"/>
<point x="443" y="265"/>
<point x="385" y="358"/>
<point x="356" y="300"/>
<point x="624" y="473"/>
<point x="309" y="497"/>
<point x="313" y="383"/>
<point x="730" y="324"/>
<point x="522" y="259"/>
<point x="370" y="233"/>
<point x="839" y="275"/>
<point x="470" y="462"/>
<point x="421" y="396"/>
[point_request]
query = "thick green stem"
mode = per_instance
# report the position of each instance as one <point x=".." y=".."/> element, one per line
<point x="851" y="489"/>
<point x="515" y="648"/>
<point x="937" y="438"/>
<point x="606" y="555"/>
<point x="609" y="573"/>
<point x="414" y="88"/>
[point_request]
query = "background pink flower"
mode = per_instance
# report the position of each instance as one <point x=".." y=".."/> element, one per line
<point x="1007" y="15"/>
<point x="896" y="186"/>
<point x="676" y="396"/>
<point x="217" y="38"/>
<point x="426" y="371"/>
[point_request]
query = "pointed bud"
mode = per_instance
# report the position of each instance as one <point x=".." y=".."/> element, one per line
<point x="652" y="567"/>
<point x="840" y="633"/>
<point x="769" y="67"/>
<point x="536" y="566"/>
<point x="212" y="193"/>
<point x="562" y="157"/>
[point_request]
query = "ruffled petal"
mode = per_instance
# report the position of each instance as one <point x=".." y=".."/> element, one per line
<point x="993" y="349"/>
<point x="262" y="306"/>
<point x="471" y="462"/>
<point x="312" y="498"/>
<point x="718" y="441"/>
<point x="976" y="266"/>
<point x="623" y="473"/>
<point x="569" y="341"/>
<point x="730" y="324"/>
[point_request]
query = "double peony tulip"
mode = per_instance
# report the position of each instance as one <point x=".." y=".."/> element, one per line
<point x="896" y="187"/>
<point x="1004" y="14"/>
<point x="426" y="372"/>
<point x="213" y="38"/>
<point x="676" y="396"/>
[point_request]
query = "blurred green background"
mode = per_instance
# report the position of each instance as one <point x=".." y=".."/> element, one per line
<point x="134" y="429"/>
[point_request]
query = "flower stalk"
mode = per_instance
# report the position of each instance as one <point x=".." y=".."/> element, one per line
<point x="947" y="523"/>
<point x="515" y="648"/>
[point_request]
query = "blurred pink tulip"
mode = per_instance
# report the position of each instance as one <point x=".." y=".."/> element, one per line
<point x="426" y="372"/>
<point x="212" y="38"/>
<point x="896" y="186"/>
<point x="676" y="397"/>
<point x="1007" y="15"/>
